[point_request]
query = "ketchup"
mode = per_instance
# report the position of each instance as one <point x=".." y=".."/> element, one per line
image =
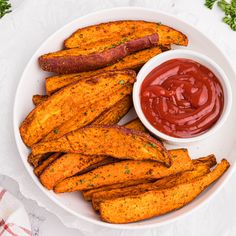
<point x="182" y="98"/>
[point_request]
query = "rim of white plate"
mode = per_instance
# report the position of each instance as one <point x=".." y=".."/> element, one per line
<point x="48" y="193"/>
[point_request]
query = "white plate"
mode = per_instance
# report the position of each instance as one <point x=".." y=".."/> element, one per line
<point x="32" y="82"/>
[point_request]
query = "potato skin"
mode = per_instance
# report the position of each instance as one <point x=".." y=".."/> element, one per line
<point x="126" y="171"/>
<point x="107" y="140"/>
<point x="105" y="35"/>
<point x="70" y="63"/>
<point x="157" y="202"/>
<point x="134" y="62"/>
<point x="57" y="108"/>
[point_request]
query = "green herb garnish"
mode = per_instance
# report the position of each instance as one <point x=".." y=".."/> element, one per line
<point x="5" y="7"/>
<point x="81" y="181"/>
<point x="152" y="145"/>
<point x="127" y="171"/>
<point x="229" y="8"/>
<point x="121" y="82"/>
<point x="210" y="3"/>
<point x="55" y="131"/>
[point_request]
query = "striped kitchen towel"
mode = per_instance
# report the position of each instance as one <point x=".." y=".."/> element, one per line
<point x="14" y="220"/>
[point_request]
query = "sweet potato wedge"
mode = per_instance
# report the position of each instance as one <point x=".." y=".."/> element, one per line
<point x="74" y="60"/>
<point x="57" y="108"/>
<point x="126" y="171"/>
<point x="106" y="35"/>
<point x="36" y="160"/>
<point x="88" y="194"/>
<point x="97" y="112"/>
<point x="136" y="124"/>
<point x="37" y="99"/>
<point x="107" y="140"/>
<point x="67" y="165"/>
<point x="200" y="168"/>
<point x="39" y="169"/>
<point x="115" y="113"/>
<point x="158" y="202"/>
<point x="134" y="61"/>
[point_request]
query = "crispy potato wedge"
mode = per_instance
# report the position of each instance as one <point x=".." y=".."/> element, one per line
<point x="134" y="61"/>
<point x="107" y="140"/>
<point x="57" y="108"/>
<point x="115" y="113"/>
<point x="200" y="168"/>
<point x="106" y="35"/>
<point x="136" y="124"/>
<point x="39" y="169"/>
<point x="67" y="165"/>
<point x="88" y="194"/>
<point x="36" y="160"/>
<point x="126" y="171"/>
<point x="119" y="103"/>
<point x="74" y="60"/>
<point x="158" y="202"/>
<point x="104" y="161"/>
<point x="37" y="99"/>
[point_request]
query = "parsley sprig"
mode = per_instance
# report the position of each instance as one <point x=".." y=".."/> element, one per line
<point x="5" y="7"/>
<point x="228" y="8"/>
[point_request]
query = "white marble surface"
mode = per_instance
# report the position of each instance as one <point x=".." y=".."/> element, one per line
<point x="22" y="31"/>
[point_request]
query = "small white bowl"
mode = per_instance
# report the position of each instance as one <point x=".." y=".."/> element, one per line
<point x="200" y="58"/>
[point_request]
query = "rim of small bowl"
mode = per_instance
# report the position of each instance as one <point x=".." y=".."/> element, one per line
<point x="200" y="58"/>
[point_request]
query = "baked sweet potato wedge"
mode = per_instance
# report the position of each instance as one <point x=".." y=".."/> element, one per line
<point x="56" y="110"/>
<point x="126" y="171"/>
<point x="88" y="194"/>
<point x="36" y="160"/>
<point x="37" y="99"/>
<point x="40" y="168"/>
<point x="115" y="113"/>
<point x="106" y="35"/>
<point x="67" y="165"/>
<point x="134" y="61"/>
<point x="119" y="102"/>
<point x="71" y="164"/>
<point x="136" y="124"/>
<point x="157" y="202"/>
<point x="74" y="60"/>
<point x="200" y="168"/>
<point x="114" y="141"/>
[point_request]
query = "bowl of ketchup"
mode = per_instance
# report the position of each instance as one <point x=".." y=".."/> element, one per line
<point x="182" y="96"/>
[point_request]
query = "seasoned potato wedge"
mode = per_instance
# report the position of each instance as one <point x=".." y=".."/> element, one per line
<point x="70" y="164"/>
<point x="88" y="194"/>
<point x="96" y="111"/>
<point x="57" y="108"/>
<point x="39" y="169"/>
<point x="37" y="99"/>
<point x="115" y="141"/>
<point x="74" y="60"/>
<point x="134" y="61"/>
<point x="126" y="171"/>
<point x="158" y="202"/>
<point x="67" y="165"/>
<point x="115" y="113"/>
<point x="200" y="168"/>
<point x="106" y="35"/>
<point x="136" y="124"/>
